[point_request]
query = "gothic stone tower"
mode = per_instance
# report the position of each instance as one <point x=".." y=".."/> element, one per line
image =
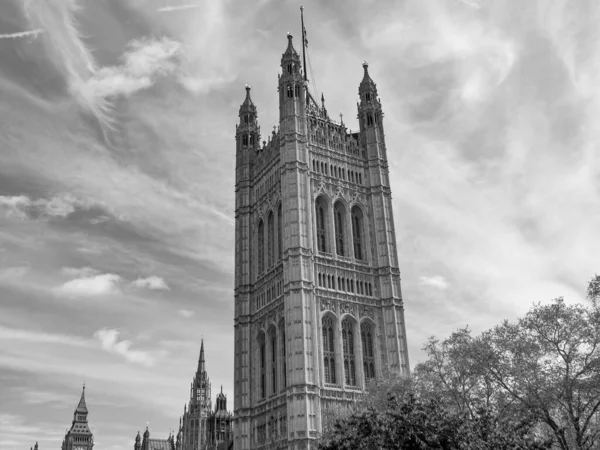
<point x="79" y="437"/>
<point x="193" y="429"/>
<point x="318" y="306"/>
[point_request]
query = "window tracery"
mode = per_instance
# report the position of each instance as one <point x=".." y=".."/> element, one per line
<point x="368" y="355"/>
<point x="328" y="350"/>
<point x="348" y="348"/>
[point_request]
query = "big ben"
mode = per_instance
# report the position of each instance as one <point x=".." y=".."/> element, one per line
<point x="79" y="437"/>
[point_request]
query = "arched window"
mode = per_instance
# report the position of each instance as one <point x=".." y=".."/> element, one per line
<point x="289" y="68"/>
<point x="368" y="96"/>
<point x="245" y="140"/>
<point x="369" y="120"/>
<point x="297" y="91"/>
<point x="283" y="359"/>
<point x="280" y="231"/>
<point x="246" y="118"/>
<point x="271" y="239"/>
<point x="262" y="358"/>
<point x="366" y="337"/>
<point x="261" y="246"/>
<point x="357" y="232"/>
<point x="339" y="228"/>
<point x="273" y="345"/>
<point x="321" y="209"/>
<point x="348" y="347"/>
<point x="328" y="350"/>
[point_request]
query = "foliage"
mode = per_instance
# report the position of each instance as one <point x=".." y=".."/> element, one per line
<point x="519" y="385"/>
<point x="411" y="423"/>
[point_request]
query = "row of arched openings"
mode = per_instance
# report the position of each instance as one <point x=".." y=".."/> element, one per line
<point x="340" y="229"/>
<point x="272" y="357"/>
<point x="344" y="284"/>
<point x="270" y="254"/>
<point x="349" y="357"/>
<point x="337" y="172"/>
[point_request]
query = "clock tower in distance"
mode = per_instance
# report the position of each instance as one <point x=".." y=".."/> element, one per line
<point x="79" y="437"/>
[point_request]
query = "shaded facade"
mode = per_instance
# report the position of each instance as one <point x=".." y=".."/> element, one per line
<point x="318" y="303"/>
<point x="220" y="430"/>
<point x="79" y="437"/>
<point x="146" y="443"/>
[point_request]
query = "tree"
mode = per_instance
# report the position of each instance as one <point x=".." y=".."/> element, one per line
<point x="549" y="362"/>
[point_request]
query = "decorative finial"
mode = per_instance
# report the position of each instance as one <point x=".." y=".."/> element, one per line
<point x="365" y="64"/>
<point x="290" y="35"/>
<point x="301" y="7"/>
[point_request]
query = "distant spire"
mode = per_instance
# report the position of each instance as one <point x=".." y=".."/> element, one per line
<point x="81" y="407"/>
<point x="201" y="363"/>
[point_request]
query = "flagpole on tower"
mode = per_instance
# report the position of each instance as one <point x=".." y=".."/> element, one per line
<point x="304" y="41"/>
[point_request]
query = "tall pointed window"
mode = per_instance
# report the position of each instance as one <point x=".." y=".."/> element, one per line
<point x="262" y="356"/>
<point x="283" y="356"/>
<point x="321" y="210"/>
<point x="261" y="246"/>
<point x="273" y="339"/>
<point x="366" y="337"/>
<point x="339" y="213"/>
<point x="357" y="232"/>
<point x="280" y="232"/>
<point x="328" y="350"/>
<point x="271" y="239"/>
<point x="348" y="347"/>
<point x="245" y="140"/>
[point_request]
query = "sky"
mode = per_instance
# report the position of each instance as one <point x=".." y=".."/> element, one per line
<point x="117" y="125"/>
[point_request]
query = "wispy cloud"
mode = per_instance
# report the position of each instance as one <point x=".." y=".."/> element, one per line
<point x="177" y="8"/>
<point x="144" y="62"/>
<point x="90" y="286"/>
<point x="13" y="334"/>
<point x="185" y="313"/>
<point x="59" y="206"/>
<point x="79" y="272"/>
<point x="21" y="34"/>
<point x="436" y="281"/>
<point x="109" y="339"/>
<point x="153" y="282"/>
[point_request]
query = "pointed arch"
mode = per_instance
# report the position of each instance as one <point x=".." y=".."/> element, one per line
<point x="283" y="354"/>
<point x="367" y="333"/>
<point x="280" y="231"/>
<point x="261" y="246"/>
<point x="272" y="336"/>
<point x="358" y="232"/>
<point x="262" y="356"/>
<point x="322" y="223"/>
<point x="270" y="239"/>
<point x="339" y="216"/>
<point x="348" y="327"/>
<point x="328" y="336"/>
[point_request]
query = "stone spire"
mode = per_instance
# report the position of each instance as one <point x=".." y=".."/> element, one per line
<point x="201" y="362"/>
<point x="81" y="407"/>
<point x="367" y="85"/>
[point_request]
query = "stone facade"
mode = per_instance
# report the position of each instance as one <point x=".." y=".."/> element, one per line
<point x="318" y="304"/>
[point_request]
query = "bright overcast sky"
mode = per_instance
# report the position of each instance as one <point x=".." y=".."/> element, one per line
<point x="117" y="123"/>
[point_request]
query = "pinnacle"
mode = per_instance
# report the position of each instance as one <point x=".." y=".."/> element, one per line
<point x="81" y="407"/>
